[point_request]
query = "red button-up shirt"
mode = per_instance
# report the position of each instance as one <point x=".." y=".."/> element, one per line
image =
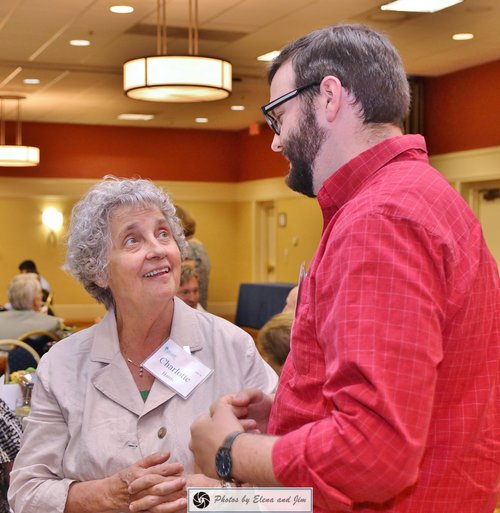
<point x="390" y="398"/>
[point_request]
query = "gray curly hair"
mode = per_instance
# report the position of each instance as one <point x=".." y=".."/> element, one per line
<point x="89" y="237"/>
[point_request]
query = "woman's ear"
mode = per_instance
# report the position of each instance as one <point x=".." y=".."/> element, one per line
<point x="102" y="282"/>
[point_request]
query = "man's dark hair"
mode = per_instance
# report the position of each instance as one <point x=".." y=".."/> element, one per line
<point x="28" y="266"/>
<point x="365" y="62"/>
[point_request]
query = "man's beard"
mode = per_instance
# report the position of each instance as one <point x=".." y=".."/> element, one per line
<point x="301" y="149"/>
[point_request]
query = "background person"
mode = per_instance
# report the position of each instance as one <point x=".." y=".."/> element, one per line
<point x="10" y="435"/>
<point x="25" y="298"/>
<point x="274" y="339"/>
<point x="189" y="288"/>
<point x="29" y="266"/>
<point x="196" y="252"/>
<point x="291" y="300"/>
<point x="103" y="434"/>
<point x="389" y="399"/>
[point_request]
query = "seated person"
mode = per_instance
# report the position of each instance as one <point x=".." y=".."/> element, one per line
<point x="291" y="300"/>
<point x="189" y="289"/>
<point x="274" y="339"/>
<point x="25" y="297"/>
<point x="28" y="266"/>
<point x="10" y="435"/>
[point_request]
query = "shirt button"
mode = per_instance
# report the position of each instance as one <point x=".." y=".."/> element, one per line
<point x="162" y="432"/>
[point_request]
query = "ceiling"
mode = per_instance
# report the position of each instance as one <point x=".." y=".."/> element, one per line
<point x="84" y="84"/>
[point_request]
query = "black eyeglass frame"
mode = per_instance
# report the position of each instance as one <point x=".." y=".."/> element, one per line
<point x="266" y="109"/>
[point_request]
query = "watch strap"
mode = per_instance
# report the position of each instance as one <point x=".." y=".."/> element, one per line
<point x="228" y="441"/>
<point x="226" y="447"/>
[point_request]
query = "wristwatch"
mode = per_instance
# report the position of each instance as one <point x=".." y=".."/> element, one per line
<point x="223" y="461"/>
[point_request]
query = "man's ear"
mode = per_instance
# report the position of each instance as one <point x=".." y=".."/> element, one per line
<point x="37" y="303"/>
<point x="331" y="90"/>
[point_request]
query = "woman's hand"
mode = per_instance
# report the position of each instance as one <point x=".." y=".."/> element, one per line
<point x="170" y="501"/>
<point x="150" y="479"/>
<point x="152" y="485"/>
<point x="159" y="489"/>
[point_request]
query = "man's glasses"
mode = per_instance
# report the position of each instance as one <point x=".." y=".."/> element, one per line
<point x="267" y="109"/>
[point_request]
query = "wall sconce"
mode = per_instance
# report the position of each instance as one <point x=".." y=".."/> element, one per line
<point x="52" y="219"/>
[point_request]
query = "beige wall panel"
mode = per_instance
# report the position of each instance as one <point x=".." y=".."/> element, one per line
<point x="298" y="240"/>
<point x="22" y="236"/>
<point x="470" y="172"/>
<point x="244" y="238"/>
<point x="489" y="214"/>
<point x="216" y="228"/>
<point x="469" y="166"/>
<point x="226" y="218"/>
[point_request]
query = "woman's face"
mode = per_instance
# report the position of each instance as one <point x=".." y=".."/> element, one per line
<point x="144" y="259"/>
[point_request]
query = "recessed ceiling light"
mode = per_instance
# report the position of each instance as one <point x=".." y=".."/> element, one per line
<point x="135" y="117"/>
<point x="79" y="42"/>
<point x="31" y="81"/>
<point x="201" y="120"/>
<point x="462" y="37"/>
<point x="237" y="107"/>
<point x="121" y="9"/>
<point x="269" y="56"/>
<point x="419" y="5"/>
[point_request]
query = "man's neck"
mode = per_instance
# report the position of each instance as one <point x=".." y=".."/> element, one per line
<point x="339" y="150"/>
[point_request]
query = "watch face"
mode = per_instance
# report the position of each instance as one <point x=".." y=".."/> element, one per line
<point x="223" y="463"/>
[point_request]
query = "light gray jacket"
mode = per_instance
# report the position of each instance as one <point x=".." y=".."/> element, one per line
<point x="14" y="323"/>
<point x="89" y="421"/>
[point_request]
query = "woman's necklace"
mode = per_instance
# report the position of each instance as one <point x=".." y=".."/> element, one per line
<point x="140" y="367"/>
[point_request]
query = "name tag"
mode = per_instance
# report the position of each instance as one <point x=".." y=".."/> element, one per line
<point x="174" y="367"/>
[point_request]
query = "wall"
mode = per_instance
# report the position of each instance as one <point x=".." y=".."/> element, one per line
<point x="225" y="215"/>
<point x="461" y="113"/>
<point x="297" y="241"/>
<point x="472" y="172"/>
<point x="216" y="226"/>
<point x="461" y="110"/>
<point x="219" y="176"/>
<point x="24" y="237"/>
<point x="256" y="159"/>
<point x="92" y="151"/>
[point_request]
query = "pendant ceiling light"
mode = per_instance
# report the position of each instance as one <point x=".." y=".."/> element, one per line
<point x="177" y="78"/>
<point x="15" y="155"/>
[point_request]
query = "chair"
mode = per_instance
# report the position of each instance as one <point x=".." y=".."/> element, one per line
<point x="21" y="354"/>
<point x="41" y="341"/>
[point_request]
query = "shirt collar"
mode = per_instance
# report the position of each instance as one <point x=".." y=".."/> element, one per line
<point x="345" y="183"/>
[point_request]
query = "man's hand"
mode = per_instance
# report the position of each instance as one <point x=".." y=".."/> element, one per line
<point x="252" y="404"/>
<point x="209" y="430"/>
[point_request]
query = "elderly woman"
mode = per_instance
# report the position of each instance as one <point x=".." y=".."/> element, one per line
<point x="107" y="432"/>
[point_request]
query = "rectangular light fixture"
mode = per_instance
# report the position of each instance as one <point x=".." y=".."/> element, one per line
<point x="136" y="117"/>
<point x="419" y="5"/>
